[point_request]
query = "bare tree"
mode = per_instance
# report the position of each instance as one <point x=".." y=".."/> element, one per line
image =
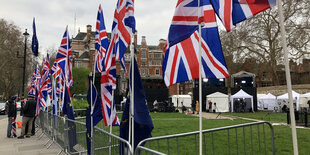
<point x="259" y="37"/>
<point x="11" y="49"/>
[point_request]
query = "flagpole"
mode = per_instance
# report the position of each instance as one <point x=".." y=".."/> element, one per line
<point x="132" y="93"/>
<point x="200" y="83"/>
<point x="92" y="109"/>
<point x="111" y="121"/>
<point x="288" y="77"/>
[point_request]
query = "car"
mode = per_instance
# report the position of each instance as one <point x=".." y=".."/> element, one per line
<point x="2" y="107"/>
<point x="18" y="105"/>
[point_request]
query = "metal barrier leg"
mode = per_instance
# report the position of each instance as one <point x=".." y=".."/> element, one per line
<point x="59" y="152"/>
<point x="40" y="136"/>
<point x="47" y="142"/>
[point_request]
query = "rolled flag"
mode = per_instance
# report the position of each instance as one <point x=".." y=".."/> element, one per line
<point x="35" y="43"/>
<point x="13" y="131"/>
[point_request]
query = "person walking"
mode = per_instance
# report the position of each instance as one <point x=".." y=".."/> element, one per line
<point x="29" y="113"/>
<point x="11" y="111"/>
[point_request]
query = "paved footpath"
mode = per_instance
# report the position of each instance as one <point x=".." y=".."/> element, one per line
<point x="26" y="146"/>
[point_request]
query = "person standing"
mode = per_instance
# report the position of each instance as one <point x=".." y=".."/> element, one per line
<point x="29" y="113"/>
<point x="11" y="111"/>
<point x="210" y="106"/>
<point x="197" y="107"/>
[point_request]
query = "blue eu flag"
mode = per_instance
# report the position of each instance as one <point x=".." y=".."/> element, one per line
<point x="97" y="113"/>
<point x="143" y="121"/>
<point x="35" y="43"/>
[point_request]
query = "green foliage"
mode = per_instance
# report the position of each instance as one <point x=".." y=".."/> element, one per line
<point x="80" y="77"/>
<point x="79" y="107"/>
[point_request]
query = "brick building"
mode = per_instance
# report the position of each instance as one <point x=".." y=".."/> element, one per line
<point x="149" y="59"/>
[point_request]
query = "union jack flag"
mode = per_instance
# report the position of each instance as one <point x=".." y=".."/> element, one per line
<point x="45" y="90"/>
<point x="123" y="28"/>
<point x="13" y="131"/>
<point x="232" y="12"/>
<point x="107" y="99"/>
<point x="186" y="18"/>
<point x="32" y="90"/>
<point x="101" y="41"/>
<point x="37" y="87"/>
<point x="180" y="61"/>
<point x="64" y="58"/>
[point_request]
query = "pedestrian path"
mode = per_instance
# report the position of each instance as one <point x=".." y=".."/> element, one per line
<point x="26" y="146"/>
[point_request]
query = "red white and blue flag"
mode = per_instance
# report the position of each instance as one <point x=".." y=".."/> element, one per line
<point x="107" y="98"/>
<point x="108" y="76"/>
<point x="101" y="41"/>
<point x="64" y="58"/>
<point x="231" y="12"/>
<point x="32" y="90"/>
<point x="37" y="84"/>
<point x="181" y="61"/>
<point x="45" y="86"/>
<point x="13" y="131"/>
<point x="185" y="21"/>
<point x="123" y="28"/>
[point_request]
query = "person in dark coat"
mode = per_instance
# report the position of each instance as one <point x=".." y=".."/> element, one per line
<point x="29" y="113"/>
<point x="11" y="111"/>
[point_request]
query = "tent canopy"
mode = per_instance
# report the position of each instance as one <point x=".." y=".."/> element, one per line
<point x="221" y="101"/>
<point x="268" y="96"/>
<point x="242" y="94"/>
<point x="268" y="102"/>
<point x="295" y="95"/>
<point x="217" y="94"/>
<point x="305" y="95"/>
<point x="285" y="96"/>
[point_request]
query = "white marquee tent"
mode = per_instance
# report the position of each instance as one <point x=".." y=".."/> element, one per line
<point x="242" y="95"/>
<point x="283" y="99"/>
<point x="221" y="100"/>
<point x="268" y="102"/>
<point x="303" y="100"/>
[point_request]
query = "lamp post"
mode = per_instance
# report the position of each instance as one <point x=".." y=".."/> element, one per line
<point x="24" y="67"/>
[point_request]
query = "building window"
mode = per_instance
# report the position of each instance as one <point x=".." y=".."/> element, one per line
<point x="150" y="55"/>
<point x="150" y="63"/>
<point x="78" y="64"/>
<point x="157" y="72"/>
<point x="143" y="54"/>
<point x="142" y="72"/>
<point x="157" y="63"/>
<point x="143" y="63"/>
<point x="157" y="55"/>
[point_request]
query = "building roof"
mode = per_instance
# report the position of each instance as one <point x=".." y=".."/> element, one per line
<point x="85" y="55"/>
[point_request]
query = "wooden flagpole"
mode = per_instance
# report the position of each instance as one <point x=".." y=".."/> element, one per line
<point x="288" y="77"/>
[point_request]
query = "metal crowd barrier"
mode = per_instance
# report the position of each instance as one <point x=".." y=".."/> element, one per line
<point x="249" y="138"/>
<point x="62" y="131"/>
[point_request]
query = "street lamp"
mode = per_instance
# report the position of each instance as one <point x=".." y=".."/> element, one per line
<point x="24" y="67"/>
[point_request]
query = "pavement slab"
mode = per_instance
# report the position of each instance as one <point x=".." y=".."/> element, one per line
<point x="26" y="146"/>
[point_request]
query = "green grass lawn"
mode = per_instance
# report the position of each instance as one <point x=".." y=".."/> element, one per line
<point x="261" y="115"/>
<point x="175" y="123"/>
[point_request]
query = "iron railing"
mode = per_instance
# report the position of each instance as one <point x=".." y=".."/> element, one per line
<point x="249" y="138"/>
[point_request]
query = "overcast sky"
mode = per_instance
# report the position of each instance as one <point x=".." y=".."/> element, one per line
<point x="153" y="17"/>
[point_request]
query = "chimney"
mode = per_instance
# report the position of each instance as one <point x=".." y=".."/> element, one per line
<point x="136" y="39"/>
<point x="143" y="42"/>
<point x="162" y="43"/>
<point x="88" y="31"/>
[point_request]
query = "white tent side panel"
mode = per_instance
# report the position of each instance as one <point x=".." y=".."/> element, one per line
<point x="221" y="100"/>
<point x="178" y="100"/>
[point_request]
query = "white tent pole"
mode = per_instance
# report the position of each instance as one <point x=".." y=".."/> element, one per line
<point x="288" y="77"/>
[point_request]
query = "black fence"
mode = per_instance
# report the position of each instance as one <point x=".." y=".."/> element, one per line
<point x="301" y="118"/>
